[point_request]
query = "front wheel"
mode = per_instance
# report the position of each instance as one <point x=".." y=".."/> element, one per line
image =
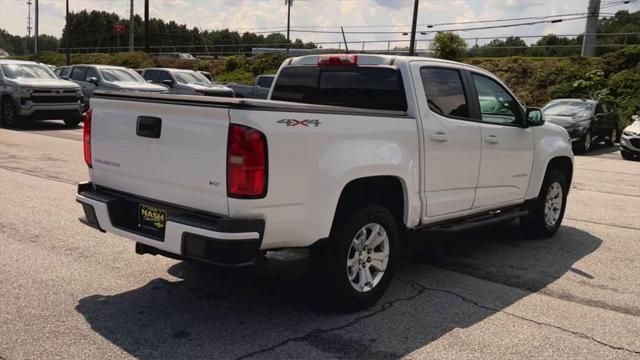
<point x="9" y="114"/>
<point x="359" y="264"/>
<point x="546" y="212"/>
<point x="584" y="144"/>
<point x="611" y="140"/>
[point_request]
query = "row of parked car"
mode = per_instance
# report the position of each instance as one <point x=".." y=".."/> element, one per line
<point x="160" y="80"/>
<point x="32" y="91"/>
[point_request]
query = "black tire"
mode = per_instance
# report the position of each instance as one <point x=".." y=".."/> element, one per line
<point x="330" y="264"/>
<point x="611" y="139"/>
<point x="9" y="114"/>
<point x="627" y="155"/>
<point x="583" y="144"/>
<point x="72" y="121"/>
<point x="535" y="223"/>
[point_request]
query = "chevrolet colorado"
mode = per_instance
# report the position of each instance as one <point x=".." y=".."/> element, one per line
<point x="349" y="152"/>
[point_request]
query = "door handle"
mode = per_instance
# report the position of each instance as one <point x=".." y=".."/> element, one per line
<point x="149" y="126"/>
<point x="492" y="139"/>
<point x="439" y="136"/>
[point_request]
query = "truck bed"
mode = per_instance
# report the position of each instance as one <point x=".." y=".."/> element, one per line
<point x="243" y="103"/>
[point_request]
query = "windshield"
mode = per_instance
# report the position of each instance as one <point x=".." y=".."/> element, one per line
<point x="120" y="75"/>
<point x="188" y="77"/>
<point x="27" y="71"/>
<point x="568" y="109"/>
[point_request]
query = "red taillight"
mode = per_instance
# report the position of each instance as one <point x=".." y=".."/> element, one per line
<point x="86" y="137"/>
<point x="337" y="60"/>
<point x="246" y="162"/>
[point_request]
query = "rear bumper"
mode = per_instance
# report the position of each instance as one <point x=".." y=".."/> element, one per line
<point x="211" y="238"/>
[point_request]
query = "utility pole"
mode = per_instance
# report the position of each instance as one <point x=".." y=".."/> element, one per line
<point x="412" y="45"/>
<point x="35" y="39"/>
<point x="344" y="38"/>
<point x="589" y="39"/>
<point x="288" y="3"/>
<point x="146" y="26"/>
<point x="67" y="35"/>
<point x="131" y="29"/>
<point x="26" y="43"/>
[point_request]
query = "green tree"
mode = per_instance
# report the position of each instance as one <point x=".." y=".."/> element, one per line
<point x="450" y="46"/>
<point x="511" y="46"/>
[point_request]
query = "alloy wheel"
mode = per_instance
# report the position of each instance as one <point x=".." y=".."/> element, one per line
<point x="368" y="257"/>
<point x="553" y="204"/>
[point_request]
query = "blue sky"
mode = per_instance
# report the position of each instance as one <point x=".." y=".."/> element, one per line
<point x="266" y="15"/>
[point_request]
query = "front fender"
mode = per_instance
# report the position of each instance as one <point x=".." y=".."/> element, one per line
<point x="551" y="141"/>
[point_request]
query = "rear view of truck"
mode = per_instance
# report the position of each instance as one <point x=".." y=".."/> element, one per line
<point x="161" y="174"/>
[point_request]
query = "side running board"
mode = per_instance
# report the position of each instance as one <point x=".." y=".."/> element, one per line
<point x="492" y="218"/>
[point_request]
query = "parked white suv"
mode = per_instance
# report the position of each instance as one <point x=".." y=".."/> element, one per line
<point x="630" y="140"/>
<point x="349" y="153"/>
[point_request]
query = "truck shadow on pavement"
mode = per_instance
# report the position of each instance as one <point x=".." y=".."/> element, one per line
<point x="448" y="282"/>
<point x="44" y="125"/>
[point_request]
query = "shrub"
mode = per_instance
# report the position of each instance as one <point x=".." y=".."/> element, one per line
<point x="233" y="62"/>
<point x="450" y="46"/>
<point x="135" y="60"/>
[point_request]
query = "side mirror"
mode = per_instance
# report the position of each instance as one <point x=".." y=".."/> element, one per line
<point x="94" y="81"/>
<point x="167" y="82"/>
<point x="535" y="116"/>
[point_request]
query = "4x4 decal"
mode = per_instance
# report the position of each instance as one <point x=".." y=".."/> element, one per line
<point x="305" y="122"/>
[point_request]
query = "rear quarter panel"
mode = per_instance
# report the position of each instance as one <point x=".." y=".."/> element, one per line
<point x="310" y="165"/>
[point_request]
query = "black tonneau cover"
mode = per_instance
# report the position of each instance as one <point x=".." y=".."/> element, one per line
<point x="242" y="103"/>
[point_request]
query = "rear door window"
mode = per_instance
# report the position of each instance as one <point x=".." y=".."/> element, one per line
<point x="445" y="92"/>
<point x="372" y="87"/>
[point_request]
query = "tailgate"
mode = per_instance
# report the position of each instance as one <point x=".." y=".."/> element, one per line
<point x="184" y="166"/>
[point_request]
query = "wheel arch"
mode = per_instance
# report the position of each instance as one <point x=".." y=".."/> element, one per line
<point x="564" y="164"/>
<point x="386" y="190"/>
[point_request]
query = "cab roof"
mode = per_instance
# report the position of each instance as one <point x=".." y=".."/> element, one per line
<point x="370" y="59"/>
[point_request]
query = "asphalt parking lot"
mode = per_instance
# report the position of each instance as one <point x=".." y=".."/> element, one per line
<point x="70" y="292"/>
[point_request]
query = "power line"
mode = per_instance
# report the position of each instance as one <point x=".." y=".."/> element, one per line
<point x="552" y="21"/>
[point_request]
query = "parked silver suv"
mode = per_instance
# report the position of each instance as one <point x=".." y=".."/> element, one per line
<point x="105" y="77"/>
<point x="31" y="91"/>
<point x="185" y="82"/>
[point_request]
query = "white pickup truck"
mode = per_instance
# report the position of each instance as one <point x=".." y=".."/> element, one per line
<point x="349" y="153"/>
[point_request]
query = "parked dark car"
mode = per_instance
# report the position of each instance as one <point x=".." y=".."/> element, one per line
<point x="587" y="121"/>
<point x="259" y="89"/>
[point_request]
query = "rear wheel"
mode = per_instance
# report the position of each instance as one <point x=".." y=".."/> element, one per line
<point x="546" y="212"/>
<point x="611" y="140"/>
<point x="9" y="114"/>
<point x="358" y="265"/>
